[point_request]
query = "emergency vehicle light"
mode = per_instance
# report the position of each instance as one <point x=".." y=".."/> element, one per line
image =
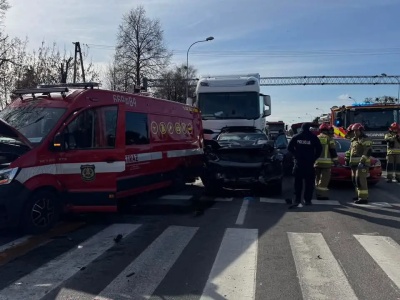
<point x="84" y="85"/>
<point x="41" y="90"/>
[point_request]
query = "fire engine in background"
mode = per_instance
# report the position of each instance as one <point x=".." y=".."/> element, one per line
<point x="273" y="128"/>
<point x="376" y="119"/>
<point x="231" y="100"/>
<point x="81" y="149"/>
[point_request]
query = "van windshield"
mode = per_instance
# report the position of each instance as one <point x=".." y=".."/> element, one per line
<point x="32" y="121"/>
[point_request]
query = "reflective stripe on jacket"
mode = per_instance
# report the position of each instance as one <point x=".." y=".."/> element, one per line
<point x="328" y="144"/>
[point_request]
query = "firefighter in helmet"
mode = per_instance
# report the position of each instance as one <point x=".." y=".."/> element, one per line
<point x="349" y="135"/>
<point x="331" y="132"/>
<point x="360" y="153"/>
<point x="324" y="162"/>
<point x="392" y="139"/>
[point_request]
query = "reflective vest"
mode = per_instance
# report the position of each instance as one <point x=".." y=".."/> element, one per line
<point x="393" y="143"/>
<point x="325" y="160"/>
<point x="360" y="151"/>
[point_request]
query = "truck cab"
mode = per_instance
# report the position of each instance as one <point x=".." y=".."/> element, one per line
<point x="231" y="100"/>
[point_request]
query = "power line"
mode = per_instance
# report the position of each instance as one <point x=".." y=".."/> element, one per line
<point x="311" y="80"/>
<point x="277" y="53"/>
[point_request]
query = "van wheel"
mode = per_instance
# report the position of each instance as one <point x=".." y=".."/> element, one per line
<point x="41" y="212"/>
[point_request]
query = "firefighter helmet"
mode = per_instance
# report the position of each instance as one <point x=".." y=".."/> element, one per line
<point x="394" y="127"/>
<point x="357" y="126"/>
<point x="324" y="126"/>
<point x="350" y="128"/>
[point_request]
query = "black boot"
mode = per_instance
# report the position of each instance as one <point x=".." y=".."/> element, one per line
<point x="361" y="201"/>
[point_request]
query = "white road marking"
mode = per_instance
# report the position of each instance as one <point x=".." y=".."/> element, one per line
<point x="372" y="204"/>
<point x="233" y="275"/>
<point x="326" y="202"/>
<point x="317" y="202"/>
<point x="242" y="213"/>
<point x="223" y="199"/>
<point x="38" y="283"/>
<point x="269" y="200"/>
<point x="176" y="197"/>
<point x="386" y="253"/>
<point x="320" y="275"/>
<point x="150" y="268"/>
<point x="15" y="243"/>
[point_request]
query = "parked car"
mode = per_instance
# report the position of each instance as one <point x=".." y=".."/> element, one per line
<point x="242" y="156"/>
<point x="343" y="173"/>
<point x="281" y="144"/>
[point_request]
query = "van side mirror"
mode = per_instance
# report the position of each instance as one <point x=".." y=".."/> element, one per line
<point x="58" y="142"/>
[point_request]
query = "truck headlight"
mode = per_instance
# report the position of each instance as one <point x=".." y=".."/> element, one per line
<point x="7" y="175"/>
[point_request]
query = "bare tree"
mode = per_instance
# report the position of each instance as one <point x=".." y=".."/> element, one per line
<point x="381" y="100"/>
<point x="174" y="84"/>
<point x="140" y="51"/>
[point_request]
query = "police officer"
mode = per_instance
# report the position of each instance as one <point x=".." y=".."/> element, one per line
<point x="360" y="152"/>
<point x="393" y="152"/>
<point x="306" y="148"/>
<point x="324" y="162"/>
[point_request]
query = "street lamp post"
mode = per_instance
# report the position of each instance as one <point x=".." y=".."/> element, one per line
<point x="210" y="38"/>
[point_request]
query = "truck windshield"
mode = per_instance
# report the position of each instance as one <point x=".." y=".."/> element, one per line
<point x="226" y="105"/>
<point x="32" y="121"/>
<point x="374" y="120"/>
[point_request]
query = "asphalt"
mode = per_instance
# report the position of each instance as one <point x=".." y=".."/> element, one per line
<point x="238" y="245"/>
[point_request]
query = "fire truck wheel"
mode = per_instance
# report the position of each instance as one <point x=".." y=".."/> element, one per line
<point x="41" y="212"/>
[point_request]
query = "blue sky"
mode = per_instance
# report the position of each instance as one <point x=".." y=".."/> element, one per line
<point x="273" y="38"/>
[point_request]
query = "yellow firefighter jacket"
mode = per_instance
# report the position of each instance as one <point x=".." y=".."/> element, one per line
<point x="328" y="154"/>
<point x="393" y="143"/>
<point x="360" y="151"/>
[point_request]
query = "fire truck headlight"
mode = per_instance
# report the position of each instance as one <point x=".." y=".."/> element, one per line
<point x="7" y="175"/>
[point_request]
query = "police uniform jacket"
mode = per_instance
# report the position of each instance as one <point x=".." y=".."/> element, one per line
<point x="306" y="148"/>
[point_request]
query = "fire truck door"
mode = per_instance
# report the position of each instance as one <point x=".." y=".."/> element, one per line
<point x="93" y="155"/>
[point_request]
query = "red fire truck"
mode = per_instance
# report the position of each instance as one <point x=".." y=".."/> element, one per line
<point x="80" y="148"/>
<point x="376" y="119"/>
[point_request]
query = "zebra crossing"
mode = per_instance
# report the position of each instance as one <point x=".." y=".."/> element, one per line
<point x="234" y="274"/>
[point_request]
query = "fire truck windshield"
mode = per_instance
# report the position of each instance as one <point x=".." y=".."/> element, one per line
<point x="32" y="121"/>
<point x="229" y="105"/>
<point x="373" y="120"/>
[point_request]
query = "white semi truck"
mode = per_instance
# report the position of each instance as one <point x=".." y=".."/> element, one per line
<point x="231" y="100"/>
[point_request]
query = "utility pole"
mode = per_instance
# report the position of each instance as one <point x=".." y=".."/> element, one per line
<point x="78" y="50"/>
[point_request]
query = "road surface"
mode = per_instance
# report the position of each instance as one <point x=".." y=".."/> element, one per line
<point x="240" y="246"/>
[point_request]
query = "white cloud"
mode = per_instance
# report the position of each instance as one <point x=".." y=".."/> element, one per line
<point x="344" y="97"/>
